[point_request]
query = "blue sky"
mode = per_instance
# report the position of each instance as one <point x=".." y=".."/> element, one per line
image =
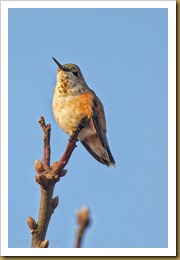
<point x="122" y="54"/>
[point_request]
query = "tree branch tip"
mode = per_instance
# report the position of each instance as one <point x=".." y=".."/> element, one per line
<point x="83" y="216"/>
<point x="31" y="223"/>
<point x="44" y="244"/>
<point x="83" y="220"/>
<point x="41" y="120"/>
<point x="43" y="124"/>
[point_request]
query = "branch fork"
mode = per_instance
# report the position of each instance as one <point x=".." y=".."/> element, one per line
<point x="47" y="176"/>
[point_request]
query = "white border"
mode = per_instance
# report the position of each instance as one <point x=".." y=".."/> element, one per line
<point x="171" y="250"/>
<point x="88" y="4"/>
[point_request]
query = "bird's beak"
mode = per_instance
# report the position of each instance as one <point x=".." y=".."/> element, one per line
<point x="59" y="65"/>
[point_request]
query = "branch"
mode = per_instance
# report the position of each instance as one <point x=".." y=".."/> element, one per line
<point x="47" y="178"/>
<point x="59" y="166"/>
<point x="83" y="220"/>
<point x="47" y="148"/>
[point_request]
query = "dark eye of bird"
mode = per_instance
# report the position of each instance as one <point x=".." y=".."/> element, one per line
<point x="75" y="73"/>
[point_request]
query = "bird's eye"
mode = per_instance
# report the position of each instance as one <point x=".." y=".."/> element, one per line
<point x="75" y="73"/>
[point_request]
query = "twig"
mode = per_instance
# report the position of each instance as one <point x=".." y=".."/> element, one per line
<point x="47" y="178"/>
<point x="83" y="220"/>
<point x="47" y="149"/>
<point x="58" y="166"/>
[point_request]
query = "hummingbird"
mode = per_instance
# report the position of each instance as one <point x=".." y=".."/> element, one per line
<point x="72" y="101"/>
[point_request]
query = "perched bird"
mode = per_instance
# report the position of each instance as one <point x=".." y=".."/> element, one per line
<point x="73" y="100"/>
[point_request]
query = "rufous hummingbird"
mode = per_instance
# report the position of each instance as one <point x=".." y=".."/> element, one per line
<point x="73" y="100"/>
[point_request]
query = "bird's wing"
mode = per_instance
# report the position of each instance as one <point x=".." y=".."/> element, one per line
<point x="99" y="121"/>
<point x="100" y="126"/>
<point x="96" y="141"/>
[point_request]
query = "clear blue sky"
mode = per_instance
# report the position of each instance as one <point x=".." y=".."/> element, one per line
<point x="123" y="56"/>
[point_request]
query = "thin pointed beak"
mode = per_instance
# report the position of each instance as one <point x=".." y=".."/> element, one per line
<point x="59" y="65"/>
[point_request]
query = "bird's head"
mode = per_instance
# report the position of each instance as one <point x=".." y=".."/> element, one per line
<point x="70" y="79"/>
